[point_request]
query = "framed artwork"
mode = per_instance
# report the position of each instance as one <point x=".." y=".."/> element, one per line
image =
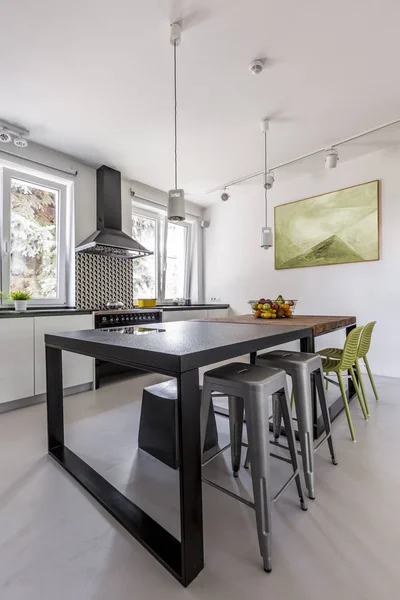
<point x="330" y="229"/>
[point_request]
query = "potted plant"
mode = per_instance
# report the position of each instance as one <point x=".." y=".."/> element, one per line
<point x="20" y="299"/>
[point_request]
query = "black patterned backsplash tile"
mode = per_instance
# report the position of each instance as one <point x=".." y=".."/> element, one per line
<point x="99" y="279"/>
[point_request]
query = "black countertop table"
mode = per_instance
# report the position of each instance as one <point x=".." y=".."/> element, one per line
<point x="174" y="349"/>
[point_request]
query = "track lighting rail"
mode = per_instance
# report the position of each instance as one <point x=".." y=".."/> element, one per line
<point x="304" y="156"/>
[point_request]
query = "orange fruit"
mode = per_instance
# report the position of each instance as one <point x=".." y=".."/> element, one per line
<point x="288" y="313"/>
<point x="286" y="306"/>
<point x="257" y="314"/>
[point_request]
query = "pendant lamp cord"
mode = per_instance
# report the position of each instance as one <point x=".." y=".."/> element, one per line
<point x="265" y="179"/>
<point x="175" y="119"/>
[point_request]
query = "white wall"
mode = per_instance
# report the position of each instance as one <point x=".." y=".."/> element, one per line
<point x="237" y="269"/>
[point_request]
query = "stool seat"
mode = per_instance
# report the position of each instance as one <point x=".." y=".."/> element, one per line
<point x="288" y="360"/>
<point x="157" y="428"/>
<point x="240" y="374"/>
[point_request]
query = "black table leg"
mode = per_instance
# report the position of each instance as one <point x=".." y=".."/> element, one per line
<point x="308" y="345"/>
<point x="190" y="475"/>
<point x="55" y="400"/>
<point x="183" y="559"/>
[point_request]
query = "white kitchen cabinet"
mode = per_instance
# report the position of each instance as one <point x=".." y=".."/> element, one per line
<point x="77" y="369"/>
<point x="16" y="358"/>
<point x="186" y="315"/>
<point x="217" y="313"/>
<point x="183" y="315"/>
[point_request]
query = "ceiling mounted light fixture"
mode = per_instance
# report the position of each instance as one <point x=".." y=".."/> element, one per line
<point x="225" y="195"/>
<point x="269" y="180"/>
<point x="331" y="158"/>
<point x="8" y="131"/>
<point x="176" y="197"/>
<point x="256" y="67"/>
<point x="266" y="232"/>
<point x="20" y="142"/>
<point x="5" y="137"/>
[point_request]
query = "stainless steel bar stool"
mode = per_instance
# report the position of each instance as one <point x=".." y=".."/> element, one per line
<point x="248" y="388"/>
<point x="302" y="367"/>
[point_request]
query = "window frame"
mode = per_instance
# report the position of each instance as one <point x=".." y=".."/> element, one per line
<point x="187" y="266"/>
<point x="139" y="212"/>
<point x="161" y="249"/>
<point x="5" y="232"/>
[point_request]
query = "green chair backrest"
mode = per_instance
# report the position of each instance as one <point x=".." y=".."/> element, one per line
<point x="349" y="353"/>
<point x="365" y="339"/>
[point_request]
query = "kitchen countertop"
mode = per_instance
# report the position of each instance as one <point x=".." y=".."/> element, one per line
<point x="7" y="313"/>
<point x="191" y="306"/>
<point x="320" y="324"/>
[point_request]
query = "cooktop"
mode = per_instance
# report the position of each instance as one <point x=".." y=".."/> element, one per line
<point x="132" y="330"/>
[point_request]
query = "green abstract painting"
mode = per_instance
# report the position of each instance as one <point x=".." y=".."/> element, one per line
<point x="338" y="227"/>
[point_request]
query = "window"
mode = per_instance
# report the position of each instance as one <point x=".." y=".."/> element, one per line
<point x="164" y="275"/>
<point x="175" y="261"/>
<point x="34" y="236"/>
<point x="145" y="231"/>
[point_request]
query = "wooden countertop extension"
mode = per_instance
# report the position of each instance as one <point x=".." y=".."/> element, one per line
<point x="320" y="324"/>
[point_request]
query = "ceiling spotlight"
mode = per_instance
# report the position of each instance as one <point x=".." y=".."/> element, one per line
<point x="256" y="67"/>
<point x="331" y="158"/>
<point x="269" y="180"/>
<point x="20" y="142"/>
<point x="5" y="137"/>
<point x="9" y="131"/>
<point x="225" y="195"/>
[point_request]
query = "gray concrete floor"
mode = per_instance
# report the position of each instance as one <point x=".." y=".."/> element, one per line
<point x="57" y="542"/>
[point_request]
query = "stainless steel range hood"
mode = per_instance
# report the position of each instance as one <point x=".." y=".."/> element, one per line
<point x="109" y="239"/>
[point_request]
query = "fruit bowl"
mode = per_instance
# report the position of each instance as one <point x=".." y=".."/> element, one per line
<point x="273" y="309"/>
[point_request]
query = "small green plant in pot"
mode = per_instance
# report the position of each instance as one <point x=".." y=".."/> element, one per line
<point x="20" y="299"/>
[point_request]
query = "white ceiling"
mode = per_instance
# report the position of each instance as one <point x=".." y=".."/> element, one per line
<point x="94" y="79"/>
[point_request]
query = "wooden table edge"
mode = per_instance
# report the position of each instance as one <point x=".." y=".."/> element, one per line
<point x="333" y="323"/>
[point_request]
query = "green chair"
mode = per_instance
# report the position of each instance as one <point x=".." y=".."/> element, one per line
<point x="345" y="362"/>
<point x="363" y="349"/>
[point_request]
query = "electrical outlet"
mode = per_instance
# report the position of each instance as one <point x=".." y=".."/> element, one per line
<point x="215" y="298"/>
